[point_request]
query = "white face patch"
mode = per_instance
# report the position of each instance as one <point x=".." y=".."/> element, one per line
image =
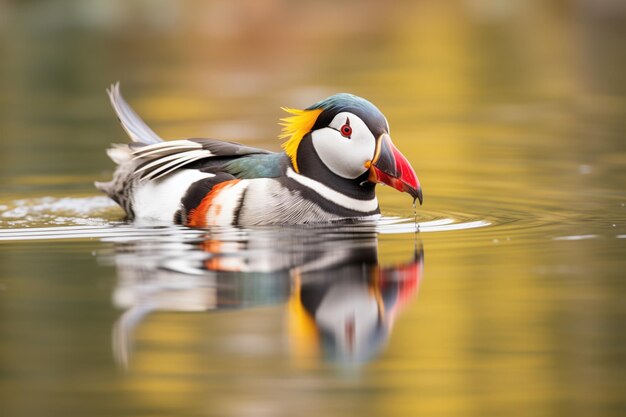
<point x="345" y="156"/>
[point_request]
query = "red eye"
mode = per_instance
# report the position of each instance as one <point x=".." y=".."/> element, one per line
<point x="346" y="130"/>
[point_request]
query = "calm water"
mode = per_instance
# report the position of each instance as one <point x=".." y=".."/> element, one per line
<point x="508" y="300"/>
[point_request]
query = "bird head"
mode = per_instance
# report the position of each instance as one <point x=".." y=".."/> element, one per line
<point x="350" y="136"/>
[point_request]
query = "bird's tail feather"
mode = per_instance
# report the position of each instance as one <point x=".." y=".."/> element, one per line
<point x="120" y="153"/>
<point x="137" y="129"/>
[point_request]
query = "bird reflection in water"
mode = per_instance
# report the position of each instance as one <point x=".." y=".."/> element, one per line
<point x="341" y="304"/>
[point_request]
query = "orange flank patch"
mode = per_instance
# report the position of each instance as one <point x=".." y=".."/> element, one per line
<point x="198" y="216"/>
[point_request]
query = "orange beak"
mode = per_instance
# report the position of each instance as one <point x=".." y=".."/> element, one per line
<point x="390" y="167"/>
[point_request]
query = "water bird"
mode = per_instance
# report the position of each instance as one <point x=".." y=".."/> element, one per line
<point x="334" y="154"/>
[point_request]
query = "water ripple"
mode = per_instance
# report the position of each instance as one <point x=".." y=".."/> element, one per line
<point x="50" y="218"/>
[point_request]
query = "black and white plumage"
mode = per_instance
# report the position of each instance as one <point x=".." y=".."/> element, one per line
<point x="335" y="153"/>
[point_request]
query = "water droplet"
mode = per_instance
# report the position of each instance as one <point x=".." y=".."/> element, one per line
<point x="415" y="216"/>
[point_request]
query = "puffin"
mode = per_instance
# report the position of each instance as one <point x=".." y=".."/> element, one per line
<point x="334" y="153"/>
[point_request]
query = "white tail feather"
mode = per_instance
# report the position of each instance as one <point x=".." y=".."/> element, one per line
<point x="119" y="153"/>
<point x="136" y="128"/>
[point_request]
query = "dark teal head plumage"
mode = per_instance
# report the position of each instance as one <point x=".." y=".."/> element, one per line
<point x="344" y="102"/>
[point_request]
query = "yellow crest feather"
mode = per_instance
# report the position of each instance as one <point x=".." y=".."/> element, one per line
<point x="294" y="128"/>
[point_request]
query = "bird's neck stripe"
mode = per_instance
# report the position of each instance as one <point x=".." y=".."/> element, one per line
<point x="365" y="206"/>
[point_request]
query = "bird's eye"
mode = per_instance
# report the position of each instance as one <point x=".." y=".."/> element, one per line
<point x="346" y="130"/>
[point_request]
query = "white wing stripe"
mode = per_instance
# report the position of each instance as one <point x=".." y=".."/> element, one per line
<point x="163" y="160"/>
<point x="158" y="153"/>
<point x="179" y="160"/>
<point x="173" y="144"/>
<point x="188" y="161"/>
